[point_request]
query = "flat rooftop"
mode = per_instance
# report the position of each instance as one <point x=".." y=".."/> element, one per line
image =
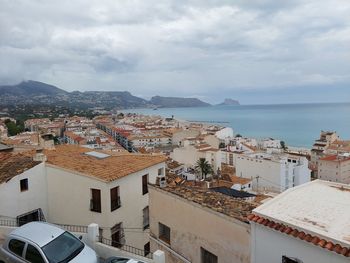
<point x="318" y="208"/>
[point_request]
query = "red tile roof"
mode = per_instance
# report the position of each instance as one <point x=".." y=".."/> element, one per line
<point x="317" y="241"/>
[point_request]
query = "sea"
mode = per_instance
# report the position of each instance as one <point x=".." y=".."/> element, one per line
<point x="299" y="125"/>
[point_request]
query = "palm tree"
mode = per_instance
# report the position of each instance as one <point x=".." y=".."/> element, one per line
<point x="204" y="167"/>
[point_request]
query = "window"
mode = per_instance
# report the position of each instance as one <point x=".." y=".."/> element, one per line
<point x="16" y="246"/>
<point x="24" y="184"/>
<point x="290" y="260"/>
<point x="208" y="257"/>
<point x="145" y="217"/>
<point x="160" y="171"/>
<point x="115" y="198"/>
<point x="164" y="233"/>
<point x="147" y="249"/>
<point x="117" y="235"/>
<point x="33" y="255"/>
<point x="145" y="184"/>
<point x="95" y="202"/>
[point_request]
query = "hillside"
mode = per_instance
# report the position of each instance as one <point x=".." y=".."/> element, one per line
<point x="174" y="102"/>
<point x="39" y="93"/>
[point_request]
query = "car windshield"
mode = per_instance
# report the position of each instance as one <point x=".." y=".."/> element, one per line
<point x="63" y="248"/>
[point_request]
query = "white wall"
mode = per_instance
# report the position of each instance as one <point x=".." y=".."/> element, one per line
<point x="268" y="246"/>
<point x="224" y="133"/>
<point x="14" y="202"/>
<point x="65" y="186"/>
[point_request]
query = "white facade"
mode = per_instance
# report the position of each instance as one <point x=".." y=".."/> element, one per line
<point x="224" y="133"/>
<point x="189" y="156"/>
<point x="64" y="197"/>
<point x="271" y="172"/>
<point x="335" y="169"/>
<point x="77" y="187"/>
<point x="14" y="202"/>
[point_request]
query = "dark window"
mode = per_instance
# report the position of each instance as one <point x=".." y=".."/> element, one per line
<point x="164" y="233"/>
<point x="147" y="249"/>
<point x="145" y="184"/>
<point x="290" y="260"/>
<point x="117" y="235"/>
<point x="145" y="217"/>
<point x="160" y="171"/>
<point x="33" y="255"/>
<point x="208" y="257"/>
<point x="115" y="198"/>
<point x="95" y="202"/>
<point x="24" y="184"/>
<point x="16" y="246"/>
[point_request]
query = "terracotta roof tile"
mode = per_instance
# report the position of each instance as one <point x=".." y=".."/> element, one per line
<point x="329" y="245"/>
<point x="12" y="164"/>
<point x="116" y="166"/>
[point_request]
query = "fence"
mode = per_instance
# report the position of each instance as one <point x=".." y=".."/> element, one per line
<point x="127" y="248"/>
<point x="16" y="223"/>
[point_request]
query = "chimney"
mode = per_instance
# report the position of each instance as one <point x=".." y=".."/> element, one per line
<point x="39" y="156"/>
<point x="162" y="181"/>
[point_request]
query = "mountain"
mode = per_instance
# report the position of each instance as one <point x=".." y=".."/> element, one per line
<point x="174" y="102"/>
<point x="39" y="93"/>
<point x="30" y="88"/>
<point x="229" y="102"/>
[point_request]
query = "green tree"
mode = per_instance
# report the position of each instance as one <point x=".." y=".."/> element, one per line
<point x="12" y="128"/>
<point x="222" y="145"/>
<point x="283" y="145"/>
<point x="204" y="167"/>
<point x="238" y="135"/>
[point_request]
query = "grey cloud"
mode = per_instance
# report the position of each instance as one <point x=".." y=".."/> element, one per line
<point x="176" y="47"/>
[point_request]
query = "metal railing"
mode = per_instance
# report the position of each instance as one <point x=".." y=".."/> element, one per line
<point x="8" y="222"/>
<point x="16" y="223"/>
<point x="127" y="248"/>
<point x="74" y="228"/>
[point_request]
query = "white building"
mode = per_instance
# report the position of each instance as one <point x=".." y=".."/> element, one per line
<point x="76" y="187"/>
<point x="224" y="133"/>
<point x="273" y="172"/>
<point x="305" y="224"/>
<point x="335" y="168"/>
<point x="269" y="143"/>
<point x="189" y="155"/>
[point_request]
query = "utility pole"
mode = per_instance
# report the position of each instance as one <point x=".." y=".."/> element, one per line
<point x="257" y="183"/>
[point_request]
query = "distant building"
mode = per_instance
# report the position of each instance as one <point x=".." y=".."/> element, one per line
<point x="320" y="146"/>
<point x="198" y="225"/>
<point x="335" y="168"/>
<point x="306" y="224"/>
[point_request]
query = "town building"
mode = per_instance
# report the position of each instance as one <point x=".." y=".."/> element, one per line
<point x="273" y="172"/>
<point x="306" y="224"/>
<point x="72" y="185"/>
<point x="199" y="225"/>
<point x="335" y="168"/>
<point x="319" y="148"/>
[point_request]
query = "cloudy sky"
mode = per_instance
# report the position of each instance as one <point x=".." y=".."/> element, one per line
<point x="257" y="51"/>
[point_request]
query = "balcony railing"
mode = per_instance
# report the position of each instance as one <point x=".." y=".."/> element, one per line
<point x="127" y="248"/>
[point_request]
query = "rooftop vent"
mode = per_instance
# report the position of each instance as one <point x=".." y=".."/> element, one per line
<point x="97" y="155"/>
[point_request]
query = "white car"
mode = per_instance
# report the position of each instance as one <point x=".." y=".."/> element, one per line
<point x="39" y="242"/>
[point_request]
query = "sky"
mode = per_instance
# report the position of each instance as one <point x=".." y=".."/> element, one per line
<point x="256" y="51"/>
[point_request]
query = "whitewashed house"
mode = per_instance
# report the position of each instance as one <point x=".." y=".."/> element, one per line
<point x="306" y="224"/>
<point x="273" y="172"/>
<point x="77" y="186"/>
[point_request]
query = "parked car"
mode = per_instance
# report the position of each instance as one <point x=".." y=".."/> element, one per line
<point x="122" y="260"/>
<point x="39" y="242"/>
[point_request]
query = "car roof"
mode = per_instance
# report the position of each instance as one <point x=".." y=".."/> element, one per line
<point x="38" y="232"/>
